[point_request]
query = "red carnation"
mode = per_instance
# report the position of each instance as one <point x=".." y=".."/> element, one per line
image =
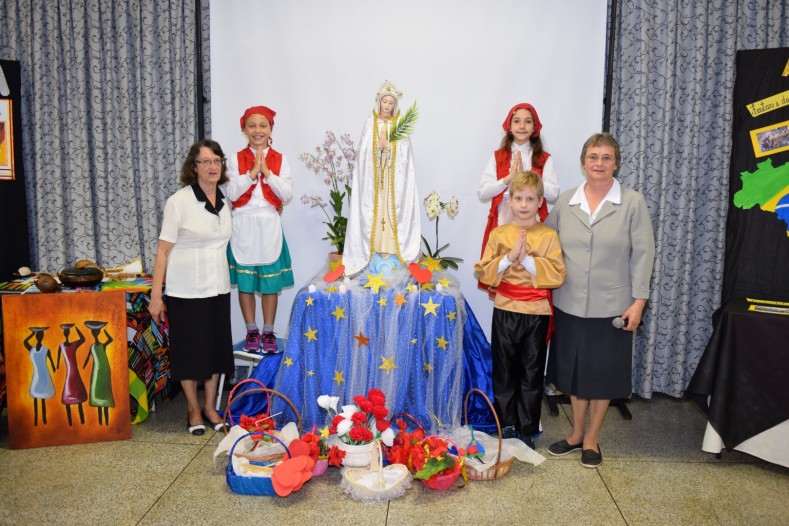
<point x="376" y="396"/>
<point x="380" y="411"/>
<point x="336" y="420"/>
<point x="359" y="434"/>
<point x="363" y="403"/>
<point x="381" y="425"/>
<point x="358" y="418"/>
<point x="335" y="456"/>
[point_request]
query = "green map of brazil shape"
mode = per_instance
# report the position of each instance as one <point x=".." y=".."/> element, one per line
<point x="767" y="187"/>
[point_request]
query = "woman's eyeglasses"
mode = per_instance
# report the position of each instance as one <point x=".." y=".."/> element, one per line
<point x="593" y="158"/>
<point x="209" y="162"/>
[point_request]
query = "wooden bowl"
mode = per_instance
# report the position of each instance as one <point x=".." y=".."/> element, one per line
<point x="81" y="277"/>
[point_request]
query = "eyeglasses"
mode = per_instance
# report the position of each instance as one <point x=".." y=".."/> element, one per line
<point x="209" y="162"/>
<point x="593" y="158"/>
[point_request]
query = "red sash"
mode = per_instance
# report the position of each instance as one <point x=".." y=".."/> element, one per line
<point x="521" y="293"/>
<point x="246" y="160"/>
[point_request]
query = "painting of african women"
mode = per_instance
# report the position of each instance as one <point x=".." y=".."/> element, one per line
<point x="67" y="370"/>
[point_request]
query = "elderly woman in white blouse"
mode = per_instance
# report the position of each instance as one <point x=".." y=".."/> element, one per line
<point x="192" y="256"/>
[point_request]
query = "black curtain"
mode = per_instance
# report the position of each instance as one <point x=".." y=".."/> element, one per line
<point x="14" y="241"/>
<point x="756" y="263"/>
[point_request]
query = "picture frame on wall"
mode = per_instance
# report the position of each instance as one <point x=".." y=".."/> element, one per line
<point x="6" y="141"/>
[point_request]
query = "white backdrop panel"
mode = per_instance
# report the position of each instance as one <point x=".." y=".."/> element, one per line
<point x="318" y="64"/>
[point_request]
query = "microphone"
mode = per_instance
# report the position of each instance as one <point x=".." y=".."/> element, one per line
<point x="619" y="323"/>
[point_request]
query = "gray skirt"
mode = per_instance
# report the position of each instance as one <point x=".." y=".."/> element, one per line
<point x="589" y="358"/>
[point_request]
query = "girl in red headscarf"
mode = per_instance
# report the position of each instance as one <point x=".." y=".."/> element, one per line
<point x="521" y="150"/>
<point x="260" y="184"/>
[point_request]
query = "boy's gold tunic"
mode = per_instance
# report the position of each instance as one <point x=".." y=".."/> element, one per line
<point x="542" y="243"/>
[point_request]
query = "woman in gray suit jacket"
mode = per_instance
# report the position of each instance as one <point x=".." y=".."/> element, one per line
<point x="609" y="249"/>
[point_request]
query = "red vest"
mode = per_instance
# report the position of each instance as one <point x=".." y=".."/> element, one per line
<point x="246" y="160"/>
<point x="503" y="160"/>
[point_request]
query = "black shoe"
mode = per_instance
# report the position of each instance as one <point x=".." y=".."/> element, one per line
<point x="529" y="441"/>
<point x="196" y="430"/>
<point x="509" y="432"/>
<point x="562" y="447"/>
<point x="217" y="426"/>
<point x="591" y="458"/>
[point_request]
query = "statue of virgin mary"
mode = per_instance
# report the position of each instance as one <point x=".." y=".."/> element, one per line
<point x="384" y="216"/>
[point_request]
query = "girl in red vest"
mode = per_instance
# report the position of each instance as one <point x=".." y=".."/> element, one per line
<point x="521" y="150"/>
<point x="260" y="183"/>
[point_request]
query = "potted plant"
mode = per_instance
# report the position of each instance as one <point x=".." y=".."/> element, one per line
<point x="333" y="160"/>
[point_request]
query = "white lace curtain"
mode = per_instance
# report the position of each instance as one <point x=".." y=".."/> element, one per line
<point x="108" y="113"/>
<point x="671" y="111"/>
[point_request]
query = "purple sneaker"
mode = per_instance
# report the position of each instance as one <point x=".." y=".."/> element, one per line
<point x="253" y="341"/>
<point x="268" y="343"/>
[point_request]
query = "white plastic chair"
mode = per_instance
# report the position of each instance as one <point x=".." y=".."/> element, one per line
<point x="242" y="359"/>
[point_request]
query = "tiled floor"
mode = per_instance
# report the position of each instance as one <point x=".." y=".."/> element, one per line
<point x="653" y="473"/>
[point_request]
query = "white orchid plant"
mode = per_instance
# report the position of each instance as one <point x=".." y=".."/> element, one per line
<point x="434" y="207"/>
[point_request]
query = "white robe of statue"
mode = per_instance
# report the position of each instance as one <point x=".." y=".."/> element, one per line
<point x="380" y="195"/>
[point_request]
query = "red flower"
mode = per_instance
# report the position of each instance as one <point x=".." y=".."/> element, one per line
<point x="359" y="418"/>
<point x="336" y="420"/>
<point x="380" y="412"/>
<point x="335" y="456"/>
<point x="363" y="403"/>
<point x="401" y="424"/>
<point x="360" y="434"/>
<point x="381" y="425"/>
<point x="417" y="458"/>
<point x="376" y="396"/>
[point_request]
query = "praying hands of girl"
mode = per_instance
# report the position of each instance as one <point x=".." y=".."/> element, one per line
<point x="260" y="166"/>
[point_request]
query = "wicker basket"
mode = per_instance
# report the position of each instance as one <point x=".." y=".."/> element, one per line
<point x="499" y="469"/>
<point x="268" y="393"/>
<point x="399" y="482"/>
<point x="250" y="485"/>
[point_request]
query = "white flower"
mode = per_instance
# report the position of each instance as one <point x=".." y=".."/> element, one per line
<point x="432" y="205"/>
<point x="387" y="437"/>
<point x="328" y="402"/>
<point x="344" y="426"/>
<point x="452" y="207"/>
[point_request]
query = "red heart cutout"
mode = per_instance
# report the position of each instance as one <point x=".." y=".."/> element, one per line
<point x="298" y="448"/>
<point x="421" y="275"/>
<point x="333" y="275"/>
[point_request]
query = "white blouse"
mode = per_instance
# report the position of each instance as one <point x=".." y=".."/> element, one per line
<point x="197" y="265"/>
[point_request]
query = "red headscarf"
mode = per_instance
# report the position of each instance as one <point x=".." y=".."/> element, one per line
<point x="268" y="113"/>
<point x="506" y="124"/>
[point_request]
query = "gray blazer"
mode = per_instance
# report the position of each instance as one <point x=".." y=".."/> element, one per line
<point x="609" y="264"/>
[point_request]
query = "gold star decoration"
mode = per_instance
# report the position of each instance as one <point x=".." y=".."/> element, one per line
<point x="430" y="307"/>
<point x="414" y="340"/>
<point x="324" y="431"/>
<point x="400" y="300"/>
<point x="428" y="286"/>
<point x="338" y="377"/>
<point x="331" y="289"/>
<point x="428" y="368"/>
<point x="362" y="339"/>
<point x="445" y="282"/>
<point x="451" y="315"/>
<point x="381" y="301"/>
<point x="310" y="373"/>
<point x="375" y="282"/>
<point x="309" y="301"/>
<point x="288" y="361"/>
<point x="410" y="287"/>
<point x="311" y="334"/>
<point x="442" y="343"/>
<point x="433" y="265"/>
<point x="338" y="312"/>
<point x="387" y="364"/>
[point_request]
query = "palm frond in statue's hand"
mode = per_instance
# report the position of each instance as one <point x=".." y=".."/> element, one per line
<point x="404" y="126"/>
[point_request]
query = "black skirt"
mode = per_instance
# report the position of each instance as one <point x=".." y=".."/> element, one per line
<point x="589" y="358"/>
<point x="201" y="342"/>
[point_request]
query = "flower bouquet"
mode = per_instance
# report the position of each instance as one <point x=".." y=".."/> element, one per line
<point x="359" y="425"/>
<point x="404" y="443"/>
<point x="320" y="451"/>
<point x="438" y="462"/>
<point x="434" y="207"/>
